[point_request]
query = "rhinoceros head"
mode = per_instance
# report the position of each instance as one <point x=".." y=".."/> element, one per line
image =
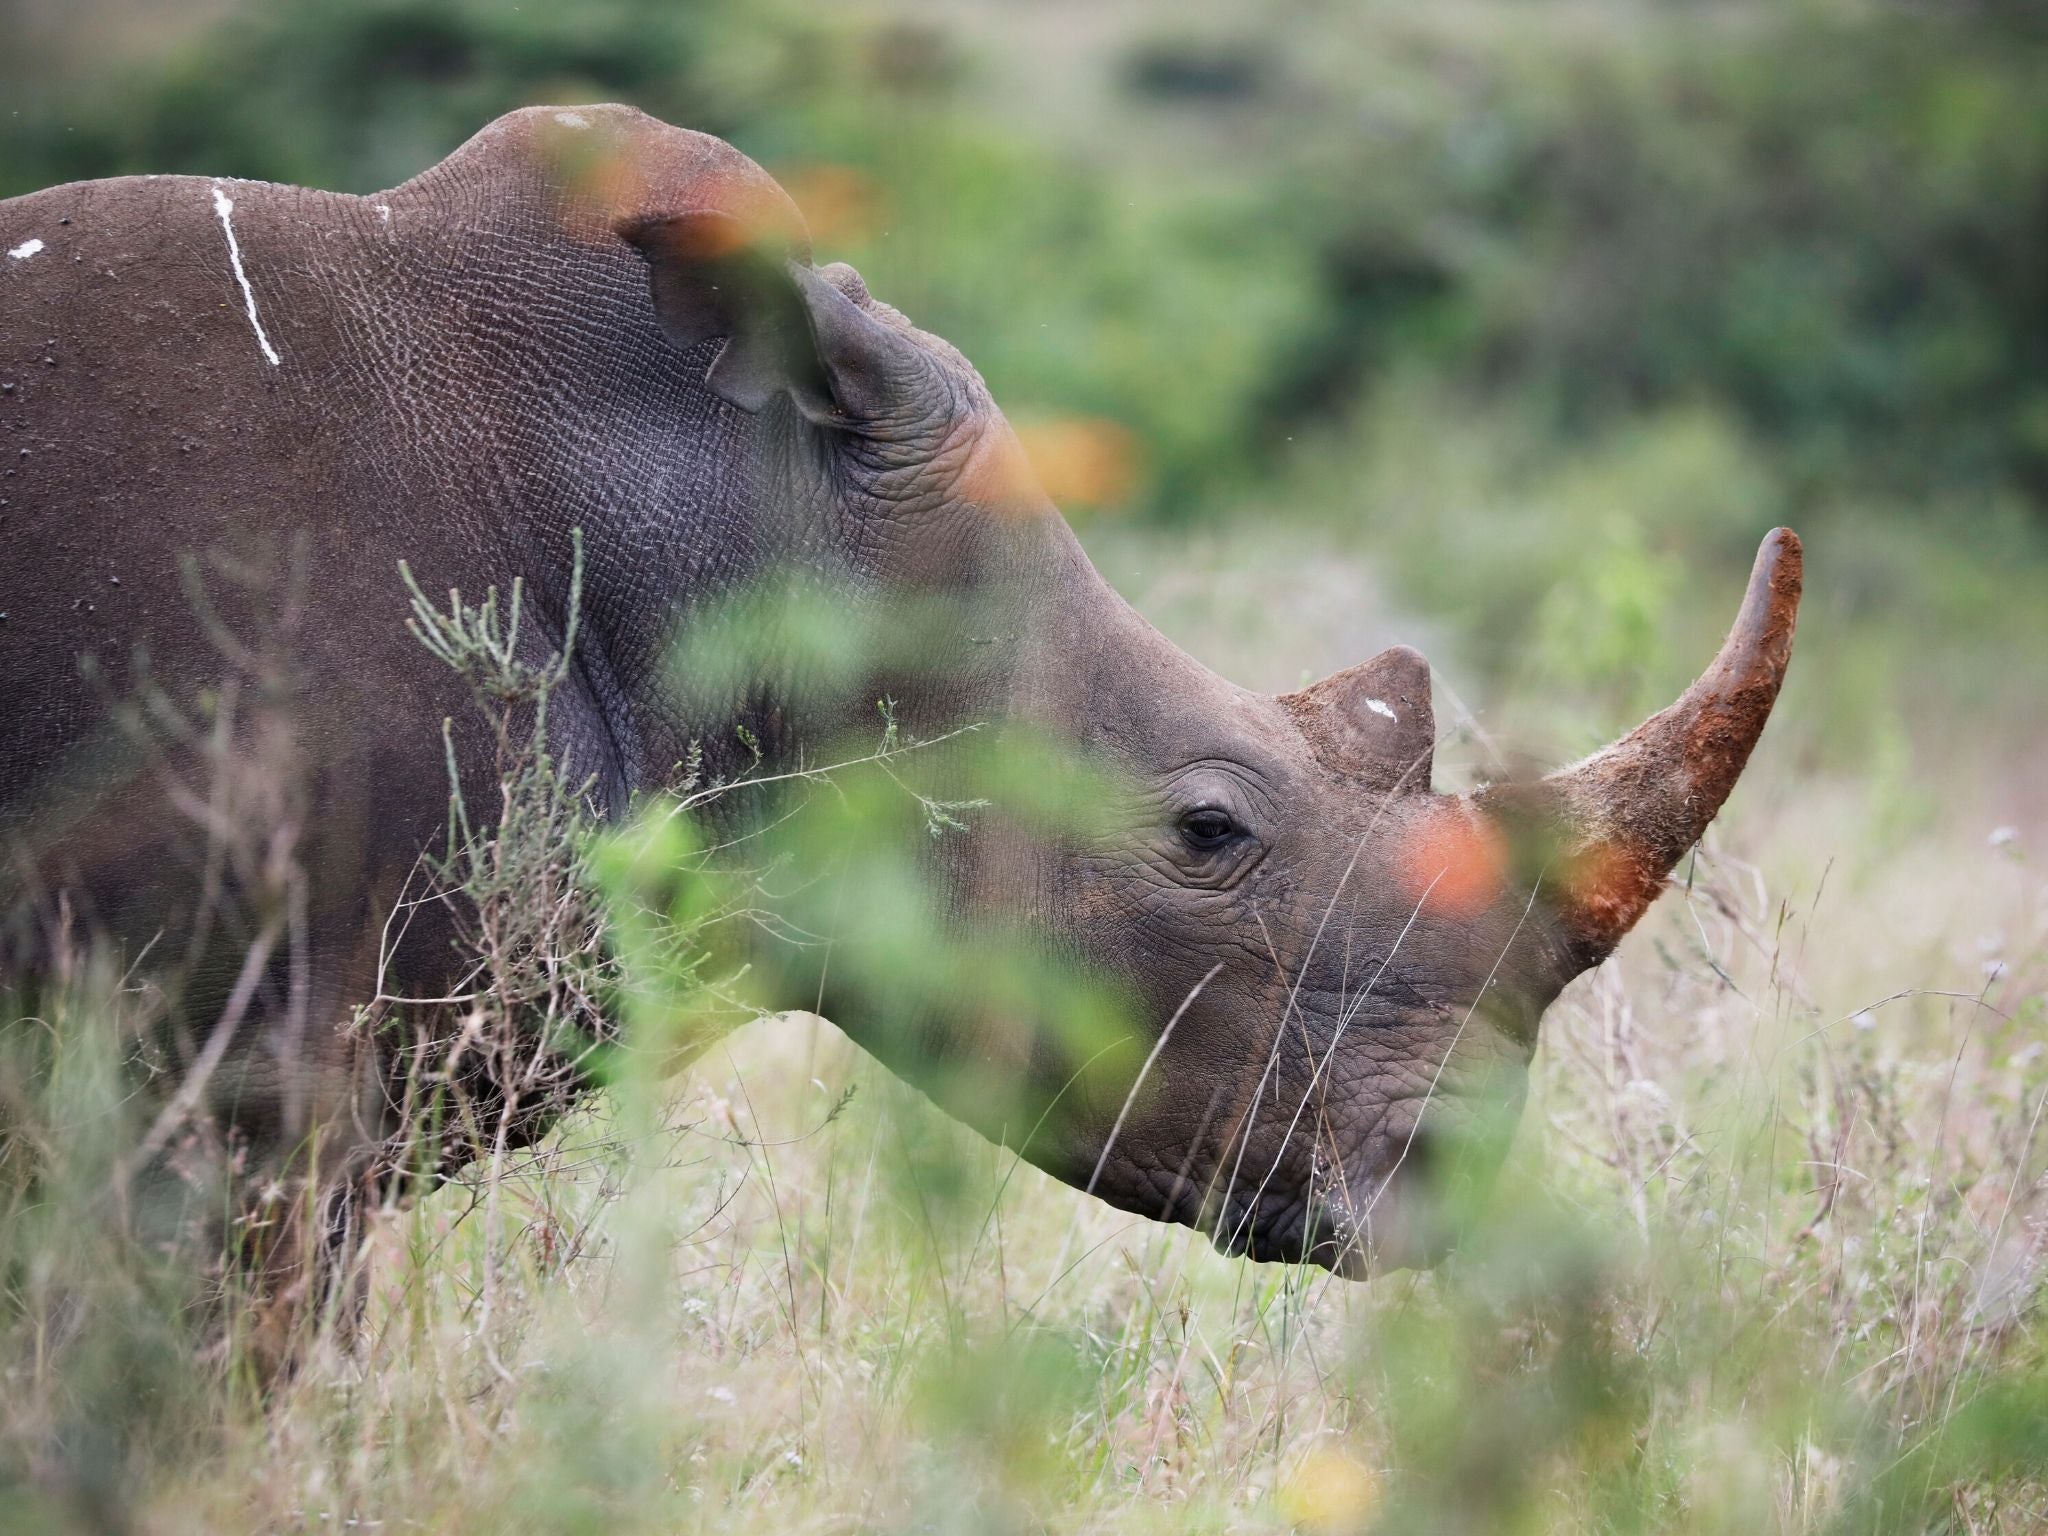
<point x="1334" y="972"/>
<point x="1346" y="966"/>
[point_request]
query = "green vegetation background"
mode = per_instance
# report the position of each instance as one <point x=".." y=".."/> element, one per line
<point x="1550" y="308"/>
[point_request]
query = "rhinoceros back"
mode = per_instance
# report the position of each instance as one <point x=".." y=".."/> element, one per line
<point x="230" y="409"/>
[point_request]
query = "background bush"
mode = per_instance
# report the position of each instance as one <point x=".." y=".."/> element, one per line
<point x="1827" y="222"/>
<point x="1516" y="293"/>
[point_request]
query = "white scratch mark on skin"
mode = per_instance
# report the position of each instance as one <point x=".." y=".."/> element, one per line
<point x="26" y="249"/>
<point x="572" y="119"/>
<point x="1381" y="707"/>
<point x="225" y="207"/>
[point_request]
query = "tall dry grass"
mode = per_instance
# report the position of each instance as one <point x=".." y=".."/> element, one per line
<point x="1765" y="1258"/>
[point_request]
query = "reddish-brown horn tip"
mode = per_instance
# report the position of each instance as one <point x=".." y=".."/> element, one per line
<point x="1731" y="702"/>
<point x="1760" y="644"/>
<point x="1625" y="816"/>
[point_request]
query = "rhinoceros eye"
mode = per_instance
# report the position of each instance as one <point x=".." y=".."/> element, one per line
<point x="1207" y="829"/>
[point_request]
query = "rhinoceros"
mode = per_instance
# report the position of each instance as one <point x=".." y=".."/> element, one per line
<point x="230" y="410"/>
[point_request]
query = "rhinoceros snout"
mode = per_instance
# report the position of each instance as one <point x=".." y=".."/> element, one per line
<point x="1401" y="1216"/>
<point x="1397" y="1223"/>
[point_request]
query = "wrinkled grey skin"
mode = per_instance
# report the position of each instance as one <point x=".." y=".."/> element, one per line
<point x="586" y="319"/>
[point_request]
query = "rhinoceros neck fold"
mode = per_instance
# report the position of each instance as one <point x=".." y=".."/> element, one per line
<point x="1094" y="670"/>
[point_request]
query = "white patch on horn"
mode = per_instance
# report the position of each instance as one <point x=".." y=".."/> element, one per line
<point x="225" y="207"/>
<point x="26" y="249"/>
<point x="1381" y="707"/>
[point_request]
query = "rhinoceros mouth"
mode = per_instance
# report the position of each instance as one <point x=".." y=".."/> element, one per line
<point x="1393" y="1232"/>
<point x="1346" y="1254"/>
<point x="1285" y="1229"/>
<point x="1355" y="1226"/>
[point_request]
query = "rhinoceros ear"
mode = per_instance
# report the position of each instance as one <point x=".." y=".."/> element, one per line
<point x="788" y="328"/>
<point x="1373" y="722"/>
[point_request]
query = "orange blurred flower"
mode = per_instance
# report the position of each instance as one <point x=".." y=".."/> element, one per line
<point x="841" y="205"/>
<point x="1455" y="858"/>
<point x="1082" y="460"/>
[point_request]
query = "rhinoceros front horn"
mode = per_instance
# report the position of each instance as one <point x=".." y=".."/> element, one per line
<point x="1609" y="829"/>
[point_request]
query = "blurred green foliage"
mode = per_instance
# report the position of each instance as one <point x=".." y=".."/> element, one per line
<point x="1832" y="221"/>
<point x="358" y="94"/>
<point x="1565" y="310"/>
<point x="1558" y="308"/>
<point x="1829" y="223"/>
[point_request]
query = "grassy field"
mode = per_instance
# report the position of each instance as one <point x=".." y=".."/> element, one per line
<point x="1765" y="1258"/>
